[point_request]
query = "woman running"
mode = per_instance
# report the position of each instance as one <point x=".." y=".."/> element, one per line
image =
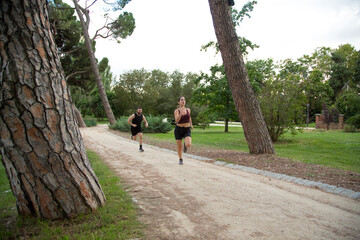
<point x="182" y="129"/>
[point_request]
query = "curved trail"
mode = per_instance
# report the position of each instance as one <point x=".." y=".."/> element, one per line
<point x="200" y="200"/>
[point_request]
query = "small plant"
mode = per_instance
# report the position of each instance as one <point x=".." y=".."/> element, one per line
<point x="121" y="124"/>
<point x="349" y="128"/>
<point x="204" y="120"/>
<point x="90" y="122"/>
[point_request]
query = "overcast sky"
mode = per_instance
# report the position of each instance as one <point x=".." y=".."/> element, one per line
<point x="169" y="33"/>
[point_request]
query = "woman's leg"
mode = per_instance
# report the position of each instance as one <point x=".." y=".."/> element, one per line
<point x="179" y="148"/>
<point x="188" y="142"/>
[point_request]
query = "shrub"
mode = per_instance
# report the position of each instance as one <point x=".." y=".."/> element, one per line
<point x="282" y="104"/>
<point x="121" y="124"/>
<point x="349" y="104"/>
<point x="349" y="128"/>
<point x="354" y="121"/>
<point x="90" y="122"/>
<point x="156" y="125"/>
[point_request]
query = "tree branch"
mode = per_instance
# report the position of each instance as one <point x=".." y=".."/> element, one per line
<point x="64" y="8"/>
<point x="105" y="26"/>
<point x="91" y="4"/>
<point x="71" y="51"/>
<point x="100" y="35"/>
<point x="75" y="73"/>
<point x="85" y="12"/>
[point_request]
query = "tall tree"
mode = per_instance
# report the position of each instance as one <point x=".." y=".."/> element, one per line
<point x="281" y="110"/>
<point x="256" y="132"/>
<point x="68" y="35"/>
<point x="259" y="71"/>
<point x="122" y="27"/>
<point x="214" y="92"/>
<point x="344" y="69"/>
<point x="41" y="146"/>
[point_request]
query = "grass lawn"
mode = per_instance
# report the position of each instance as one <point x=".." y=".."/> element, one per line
<point x="332" y="148"/>
<point x="116" y="220"/>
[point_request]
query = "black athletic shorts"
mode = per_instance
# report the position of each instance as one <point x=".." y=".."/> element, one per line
<point x="182" y="132"/>
<point x="135" y="130"/>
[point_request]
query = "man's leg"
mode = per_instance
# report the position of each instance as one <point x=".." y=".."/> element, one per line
<point x="140" y="141"/>
<point x="140" y="138"/>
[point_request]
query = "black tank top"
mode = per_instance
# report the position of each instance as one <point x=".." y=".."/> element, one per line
<point x="137" y="120"/>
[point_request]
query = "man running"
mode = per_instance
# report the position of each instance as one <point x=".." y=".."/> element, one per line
<point x="135" y="121"/>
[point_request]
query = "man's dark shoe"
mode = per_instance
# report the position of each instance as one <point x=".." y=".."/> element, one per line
<point x="141" y="150"/>
<point x="181" y="161"/>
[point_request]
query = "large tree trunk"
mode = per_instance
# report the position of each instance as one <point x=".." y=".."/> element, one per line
<point x="85" y="26"/>
<point x="41" y="145"/>
<point x="256" y="133"/>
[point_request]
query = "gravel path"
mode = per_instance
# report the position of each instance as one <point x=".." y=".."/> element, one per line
<point x="202" y="200"/>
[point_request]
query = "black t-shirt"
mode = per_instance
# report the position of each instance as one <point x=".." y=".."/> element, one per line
<point x="137" y="120"/>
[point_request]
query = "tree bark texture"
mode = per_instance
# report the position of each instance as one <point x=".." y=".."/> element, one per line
<point x="85" y="26"/>
<point x="41" y="145"/>
<point x="256" y="133"/>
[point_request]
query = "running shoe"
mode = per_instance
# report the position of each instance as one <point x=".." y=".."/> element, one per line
<point x="181" y="161"/>
<point x="141" y="150"/>
<point x="185" y="148"/>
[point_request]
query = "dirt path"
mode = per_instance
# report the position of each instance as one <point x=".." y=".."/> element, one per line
<point x="200" y="200"/>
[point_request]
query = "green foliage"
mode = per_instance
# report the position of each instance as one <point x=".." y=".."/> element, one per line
<point x="214" y="92"/>
<point x="204" y="119"/>
<point x="157" y="124"/>
<point x="118" y="4"/>
<point x="123" y="26"/>
<point x="354" y="120"/>
<point x="281" y="110"/>
<point x="259" y="71"/>
<point x="238" y="17"/>
<point x="156" y="91"/>
<point x="81" y="100"/>
<point x="90" y="122"/>
<point x="344" y="69"/>
<point x="106" y="75"/>
<point x="121" y="124"/>
<point x="349" y="128"/>
<point x="341" y="74"/>
<point x="244" y="43"/>
<point x="68" y="36"/>
<point x="317" y="91"/>
<point x="348" y="104"/>
<point x="96" y="106"/>
<point x="120" y="28"/>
